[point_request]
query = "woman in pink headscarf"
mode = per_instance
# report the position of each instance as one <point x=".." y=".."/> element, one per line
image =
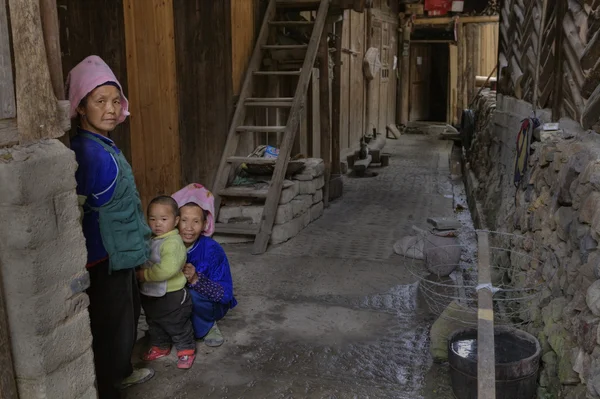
<point x="113" y="224"/>
<point x="207" y="268"/>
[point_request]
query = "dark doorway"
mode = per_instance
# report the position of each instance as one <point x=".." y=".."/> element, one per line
<point x="439" y="76"/>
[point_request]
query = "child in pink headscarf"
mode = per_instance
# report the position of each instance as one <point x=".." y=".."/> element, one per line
<point x="207" y="268"/>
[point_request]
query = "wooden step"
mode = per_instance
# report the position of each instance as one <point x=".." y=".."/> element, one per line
<point x="252" y="160"/>
<point x="261" y="129"/>
<point x="245" y="192"/>
<point x="278" y="73"/>
<point x="284" y="46"/>
<point x="236" y="228"/>
<point x="269" y="104"/>
<point x="249" y="99"/>
<point x="291" y="23"/>
<point x="307" y="4"/>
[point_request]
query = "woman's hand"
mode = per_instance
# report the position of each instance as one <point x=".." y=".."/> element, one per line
<point x="189" y="271"/>
<point x="139" y="274"/>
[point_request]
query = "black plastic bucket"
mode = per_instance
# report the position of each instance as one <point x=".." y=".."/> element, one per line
<point x="517" y="363"/>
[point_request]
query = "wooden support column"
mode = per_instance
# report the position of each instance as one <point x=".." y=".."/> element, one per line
<point x="49" y="12"/>
<point x="405" y="75"/>
<point x="38" y="112"/>
<point x="486" y="363"/>
<point x="336" y="103"/>
<point x="8" y="109"/>
<point x="325" y="110"/>
<point x="8" y="386"/>
<point x="557" y="93"/>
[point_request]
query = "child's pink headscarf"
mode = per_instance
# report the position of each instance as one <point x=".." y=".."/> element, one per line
<point x="197" y="194"/>
<point x="85" y="77"/>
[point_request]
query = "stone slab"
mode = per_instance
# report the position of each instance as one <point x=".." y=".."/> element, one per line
<point x="316" y="211"/>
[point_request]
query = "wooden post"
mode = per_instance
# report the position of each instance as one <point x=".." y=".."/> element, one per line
<point x="38" y="115"/>
<point x="8" y="108"/>
<point x="49" y="13"/>
<point x="8" y="386"/>
<point x="405" y="74"/>
<point x="557" y="93"/>
<point x="486" y="362"/>
<point x="536" y="81"/>
<point x="336" y="102"/>
<point x="324" y="111"/>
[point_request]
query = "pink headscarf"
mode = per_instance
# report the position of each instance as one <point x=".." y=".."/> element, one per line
<point x="197" y="194"/>
<point x="85" y="77"/>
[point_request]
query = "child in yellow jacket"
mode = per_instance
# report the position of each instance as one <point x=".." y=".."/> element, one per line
<point x="166" y="302"/>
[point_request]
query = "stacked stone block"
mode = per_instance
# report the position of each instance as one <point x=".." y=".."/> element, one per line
<point x="42" y="263"/>
<point x="558" y="205"/>
<point x="301" y="203"/>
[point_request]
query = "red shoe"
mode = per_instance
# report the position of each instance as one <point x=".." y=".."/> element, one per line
<point x="155" y="353"/>
<point x="186" y="359"/>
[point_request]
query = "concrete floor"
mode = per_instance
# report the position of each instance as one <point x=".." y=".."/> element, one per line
<point x="333" y="313"/>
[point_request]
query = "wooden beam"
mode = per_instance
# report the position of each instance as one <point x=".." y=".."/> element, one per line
<point x="404" y="96"/>
<point x="591" y="112"/>
<point x="8" y="386"/>
<point x="8" y="108"/>
<point x="486" y="364"/>
<point x="558" y="62"/>
<point x="448" y="20"/>
<point x="591" y="53"/>
<point x="336" y="103"/>
<point x="37" y="108"/>
<point x="592" y="81"/>
<point x="325" y="110"/>
<point x="538" y="60"/>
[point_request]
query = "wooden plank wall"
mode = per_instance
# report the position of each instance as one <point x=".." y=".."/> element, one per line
<point x="477" y="55"/>
<point x="563" y="72"/>
<point x="353" y="83"/>
<point x="205" y="86"/>
<point x="243" y="32"/>
<point x="152" y="79"/>
<point x="96" y="27"/>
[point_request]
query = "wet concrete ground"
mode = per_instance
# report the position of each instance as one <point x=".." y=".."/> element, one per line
<point x="333" y="313"/>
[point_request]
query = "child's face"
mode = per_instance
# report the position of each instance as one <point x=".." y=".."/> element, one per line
<point x="162" y="219"/>
<point x="191" y="224"/>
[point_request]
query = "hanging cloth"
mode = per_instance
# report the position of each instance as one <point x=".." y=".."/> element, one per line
<point x="523" y="147"/>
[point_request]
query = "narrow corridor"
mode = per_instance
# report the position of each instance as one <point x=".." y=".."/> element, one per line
<point x="332" y="313"/>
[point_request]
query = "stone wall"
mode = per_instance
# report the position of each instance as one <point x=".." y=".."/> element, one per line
<point x="301" y="203"/>
<point x="558" y="205"/>
<point x="42" y="258"/>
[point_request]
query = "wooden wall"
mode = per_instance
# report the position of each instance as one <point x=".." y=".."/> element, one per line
<point x="153" y="97"/>
<point x="353" y="85"/>
<point x="477" y="56"/>
<point x="244" y="27"/>
<point x="561" y="73"/>
<point x="96" y="27"/>
<point x="205" y="86"/>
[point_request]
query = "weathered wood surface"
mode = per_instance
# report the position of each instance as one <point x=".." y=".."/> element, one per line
<point x="37" y="108"/>
<point x="153" y="89"/>
<point x="325" y="111"/>
<point x="336" y="92"/>
<point x="8" y="386"/>
<point x="486" y="364"/>
<point x="557" y="58"/>
<point x="8" y="107"/>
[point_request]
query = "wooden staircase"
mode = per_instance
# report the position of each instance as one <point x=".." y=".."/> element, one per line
<point x="294" y="104"/>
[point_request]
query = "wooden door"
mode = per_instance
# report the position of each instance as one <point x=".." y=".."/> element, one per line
<point x="420" y="70"/>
